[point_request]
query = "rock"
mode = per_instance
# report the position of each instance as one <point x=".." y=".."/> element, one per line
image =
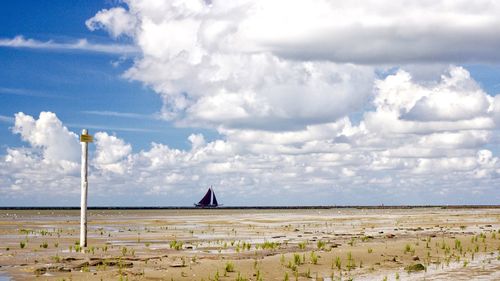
<point x="390" y="235"/>
<point x="39" y="270"/>
<point x="415" y="267"/>
<point x="415" y="258"/>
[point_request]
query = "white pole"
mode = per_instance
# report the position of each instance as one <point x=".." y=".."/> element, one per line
<point x="83" y="204"/>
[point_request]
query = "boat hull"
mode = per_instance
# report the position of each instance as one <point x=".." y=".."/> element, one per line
<point x="205" y="206"/>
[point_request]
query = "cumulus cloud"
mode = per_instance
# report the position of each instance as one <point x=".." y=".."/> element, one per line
<point x="297" y="97"/>
<point x="111" y="153"/>
<point x="396" y="160"/>
<point x="48" y="134"/>
<point x="205" y="85"/>
<point x="256" y="64"/>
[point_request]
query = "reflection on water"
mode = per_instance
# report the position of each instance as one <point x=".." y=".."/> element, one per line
<point x="4" y="277"/>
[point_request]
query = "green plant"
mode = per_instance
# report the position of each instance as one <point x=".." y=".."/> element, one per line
<point x="370" y="250"/>
<point x="296" y="259"/>
<point x="314" y="258"/>
<point x="258" y="276"/>
<point x="240" y="278"/>
<point x="407" y="248"/>
<point x="320" y="244"/>
<point x="176" y="245"/>
<point x="350" y="262"/>
<point x="229" y="267"/>
<point x="338" y="263"/>
<point x="56" y="258"/>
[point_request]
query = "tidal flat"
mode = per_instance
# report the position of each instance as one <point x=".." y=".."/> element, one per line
<point x="222" y="244"/>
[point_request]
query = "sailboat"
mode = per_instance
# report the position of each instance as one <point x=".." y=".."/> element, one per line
<point x="208" y="201"/>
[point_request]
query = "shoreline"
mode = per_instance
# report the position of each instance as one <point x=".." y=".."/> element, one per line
<point x="368" y="207"/>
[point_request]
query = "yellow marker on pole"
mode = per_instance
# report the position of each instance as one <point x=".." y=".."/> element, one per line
<point x="85" y="138"/>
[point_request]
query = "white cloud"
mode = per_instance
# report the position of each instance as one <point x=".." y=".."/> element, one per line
<point x="116" y="20"/>
<point x="296" y="122"/>
<point x="48" y="134"/>
<point x="80" y="45"/>
<point x="111" y="153"/>
<point x="256" y="64"/>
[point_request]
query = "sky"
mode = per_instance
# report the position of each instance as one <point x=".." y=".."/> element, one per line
<point x="304" y="102"/>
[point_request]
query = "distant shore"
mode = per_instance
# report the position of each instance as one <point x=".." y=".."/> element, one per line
<point x="256" y="207"/>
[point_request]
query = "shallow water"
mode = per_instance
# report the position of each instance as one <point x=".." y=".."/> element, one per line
<point x="485" y="268"/>
<point x="4" y="277"/>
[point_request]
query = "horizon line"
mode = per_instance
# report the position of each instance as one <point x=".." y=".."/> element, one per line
<point x="445" y="206"/>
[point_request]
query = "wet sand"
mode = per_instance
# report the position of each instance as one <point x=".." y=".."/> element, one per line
<point x="325" y="244"/>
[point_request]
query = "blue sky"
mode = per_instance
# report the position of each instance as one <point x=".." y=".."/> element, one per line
<point x="72" y="83"/>
<point x="329" y="108"/>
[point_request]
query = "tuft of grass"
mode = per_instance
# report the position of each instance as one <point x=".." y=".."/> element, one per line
<point x="258" y="276"/>
<point x="177" y="245"/>
<point x="321" y="244"/>
<point x="407" y="248"/>
<point x="351" y="264"/>
<point x="370" y="250"/>
<point x="296" y="259"/>
<point x="229" y="267"/>
<point x="240" y="278"/>
<point x="314" y="258"/>
<point x="22" y="244"/>
<point x="338" y="263"/>
<point x="267" y="245"/>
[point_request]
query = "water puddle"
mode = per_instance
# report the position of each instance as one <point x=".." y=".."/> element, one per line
<point x="484" y="267"/>
<point x="4" y="277"/>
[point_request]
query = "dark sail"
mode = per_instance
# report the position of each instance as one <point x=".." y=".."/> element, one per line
<point x="206" y="199"/>
<point x="214" y="202"/>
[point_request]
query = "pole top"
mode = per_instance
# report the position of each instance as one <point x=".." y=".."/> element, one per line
<point x="84" y="132"/>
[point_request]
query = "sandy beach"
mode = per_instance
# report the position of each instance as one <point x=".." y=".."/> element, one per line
<point x="310" y="244"/>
